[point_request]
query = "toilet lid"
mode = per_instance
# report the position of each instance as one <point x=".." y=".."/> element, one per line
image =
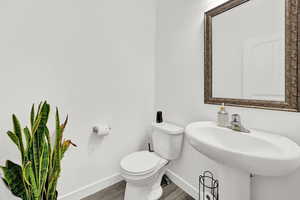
<point x="140" y="162"/>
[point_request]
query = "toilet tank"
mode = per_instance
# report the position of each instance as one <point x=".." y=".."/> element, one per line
<point x="167" y="140"/>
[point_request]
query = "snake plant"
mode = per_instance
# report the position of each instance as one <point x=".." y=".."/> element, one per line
<point x="37" y="176"/>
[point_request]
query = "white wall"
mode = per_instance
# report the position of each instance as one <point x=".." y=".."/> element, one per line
<point x="95" y="60"/>
<point x="179" y="92"/>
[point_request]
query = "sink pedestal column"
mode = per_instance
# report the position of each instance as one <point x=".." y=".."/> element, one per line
<point x="234" y="184"/>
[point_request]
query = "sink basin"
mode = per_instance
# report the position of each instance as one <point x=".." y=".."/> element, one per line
<point x="257" y="152"/>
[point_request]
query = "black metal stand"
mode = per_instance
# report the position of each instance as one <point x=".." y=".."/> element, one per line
<point x="208" y="187"/>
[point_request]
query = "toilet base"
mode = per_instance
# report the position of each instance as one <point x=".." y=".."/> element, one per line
<point x="147" y="189"/>
<point x="133" y="192"/>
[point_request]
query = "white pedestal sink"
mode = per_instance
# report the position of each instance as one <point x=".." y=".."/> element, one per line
<point x="241" y="154"/>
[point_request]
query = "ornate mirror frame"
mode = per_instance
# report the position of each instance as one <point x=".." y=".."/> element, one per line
<point x="292" y="57"/>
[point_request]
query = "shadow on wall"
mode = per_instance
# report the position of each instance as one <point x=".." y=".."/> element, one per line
<point x="94" y="142"/>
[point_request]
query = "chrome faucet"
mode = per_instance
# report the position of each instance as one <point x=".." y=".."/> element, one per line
<point x="236" y="124"/>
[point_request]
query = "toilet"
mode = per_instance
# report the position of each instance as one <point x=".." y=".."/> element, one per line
<point x="143" y="170"/>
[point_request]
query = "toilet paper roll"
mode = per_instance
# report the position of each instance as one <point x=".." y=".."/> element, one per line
<point x="102" y="130"/>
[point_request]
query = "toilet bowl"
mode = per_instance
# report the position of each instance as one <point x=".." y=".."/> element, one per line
<point x="143" y="170"/>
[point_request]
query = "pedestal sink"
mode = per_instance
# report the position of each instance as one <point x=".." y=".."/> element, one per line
<point x="241" y="154"/>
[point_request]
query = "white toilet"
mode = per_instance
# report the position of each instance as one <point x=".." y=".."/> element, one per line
<point x="143" y="170"/>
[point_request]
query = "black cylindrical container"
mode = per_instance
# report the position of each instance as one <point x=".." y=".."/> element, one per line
<point x="159" y="117"/>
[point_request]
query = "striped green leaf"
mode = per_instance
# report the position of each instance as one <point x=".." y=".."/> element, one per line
<point x="47" y="134"/>
<point x="58" y="140"/>
<point x="14" y="138"/>
<point x="33" y="182"/>
<point x="51" y="193"/>
<point x="27" y="134"/>
<point x="36" y="124"/>
<point x="45" y="110"/>
<point x="14" y="179"/>
<point x="18" y="132"/>
<point x="36" y="157"/>
<point x="37" y="177"/>
<point x="44" y="165"/>
<point x="39" y="107"/>
<point x="25" y="173"/>
<point x="65" y="146"/>
<point x="32" y="116"/>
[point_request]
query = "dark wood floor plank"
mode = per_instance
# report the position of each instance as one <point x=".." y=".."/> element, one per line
<point x="116" y="192"/>
<point x="168" y="189"/>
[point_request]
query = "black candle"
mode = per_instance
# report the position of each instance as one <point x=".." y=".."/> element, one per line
<point x="159" y="117"/>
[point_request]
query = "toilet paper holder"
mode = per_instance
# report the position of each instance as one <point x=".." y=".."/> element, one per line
<point x="208" y="186"/>
<point x="101" y="130"/>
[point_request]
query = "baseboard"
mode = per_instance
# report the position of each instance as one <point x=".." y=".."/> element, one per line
<point x="106" y="182"/>
<point x="184" y="185"/>
<point x="92" y="188"/>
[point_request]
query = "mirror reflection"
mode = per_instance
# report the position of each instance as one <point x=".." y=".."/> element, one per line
<point x="248" y="50"/>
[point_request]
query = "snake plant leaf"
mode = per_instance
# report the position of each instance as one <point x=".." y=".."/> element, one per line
<point x="27" y="179"/>
<point x="44" y="165"/>
<point x="14" y="138"/>
<point x="36" y="124"/>
<point x="29" y="152"/>
<point x="39" y="137"/>
<point x="33" y="182"/>
<point x="56" y="158"/>
<point x="63" y="126"/>
<point x="55" y="194"/>
<point x="57" y="128"/>
<point x="37" y="177"/>
<point x="65" y="146"/>
<point x="18" y="132"/>
<point x="39" y="108"/>
<point x="51" y="194"/>
<point x="45" y="110"/>
<point x="14" y="179"/>
<point x="57" y="146"/>
<point x="32" y="116"/>
<point x="56" y="168"/>
<point x="26" y="174"/>
<point x="44" y="114"/>
<point x="47" y="134"/>
<point x="27" y="134"/>
<point x="36" y="157"/>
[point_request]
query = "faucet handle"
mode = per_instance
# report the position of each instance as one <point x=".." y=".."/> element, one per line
<point x="236" y="124"/>
<point x="236" y="118"/>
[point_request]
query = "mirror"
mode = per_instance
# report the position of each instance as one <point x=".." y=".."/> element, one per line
<point x="251" y="54"/>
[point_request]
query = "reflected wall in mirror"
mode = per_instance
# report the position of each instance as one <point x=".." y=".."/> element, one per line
<point x="251" y="54"/>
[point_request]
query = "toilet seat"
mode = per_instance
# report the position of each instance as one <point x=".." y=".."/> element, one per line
<point x="141" y="163"/>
